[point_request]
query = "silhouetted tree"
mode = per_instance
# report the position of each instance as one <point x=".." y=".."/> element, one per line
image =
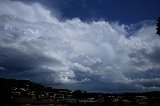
<point x="158" y="26"/>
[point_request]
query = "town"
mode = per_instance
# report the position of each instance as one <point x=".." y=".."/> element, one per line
<point x="25" y="92"/>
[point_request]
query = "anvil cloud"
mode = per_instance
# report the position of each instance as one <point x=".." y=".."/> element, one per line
<point x="93" y="56"/>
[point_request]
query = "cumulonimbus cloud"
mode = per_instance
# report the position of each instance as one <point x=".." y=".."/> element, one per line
<point x="35" y="45"/>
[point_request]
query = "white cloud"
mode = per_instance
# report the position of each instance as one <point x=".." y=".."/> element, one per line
<point x="2" y="69"/>
<point x="34" y="12"/>
<point x="72" y="51"/>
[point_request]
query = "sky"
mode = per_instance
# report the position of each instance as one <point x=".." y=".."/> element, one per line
<point x="92" y="45"/>
<point x="123" y="11"/>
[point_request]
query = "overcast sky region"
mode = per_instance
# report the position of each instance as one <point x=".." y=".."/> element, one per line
<point x="92" y="45"/>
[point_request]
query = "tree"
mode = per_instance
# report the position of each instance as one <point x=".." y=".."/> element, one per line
<point x="158" y="26"/>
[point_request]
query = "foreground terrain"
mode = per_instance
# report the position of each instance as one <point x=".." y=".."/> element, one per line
<point x="25" y="92"/>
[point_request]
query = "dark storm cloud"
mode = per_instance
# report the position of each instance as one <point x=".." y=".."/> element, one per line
<point x="13" y="59"/>
<point x="154" y="56"/>
<point x="151" y="55"/>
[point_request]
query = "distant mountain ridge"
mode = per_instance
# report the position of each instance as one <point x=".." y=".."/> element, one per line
<point x="18" y="83"/>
